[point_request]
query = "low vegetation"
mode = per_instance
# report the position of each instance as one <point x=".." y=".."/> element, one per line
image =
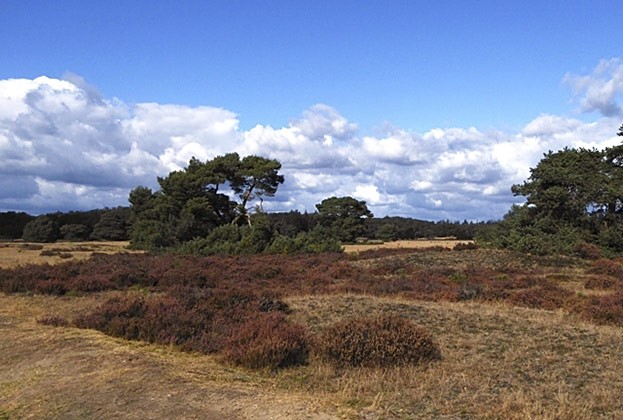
<point x="350" y="328"/>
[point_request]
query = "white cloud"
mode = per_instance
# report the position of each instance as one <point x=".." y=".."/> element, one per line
<point x="63" y="146"/>
<point x="601" y="89"/>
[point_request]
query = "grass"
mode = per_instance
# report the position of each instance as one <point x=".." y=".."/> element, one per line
<point x="497" y="360"/>
<point x="411" y="244"/>
<point x="15" y="254"/>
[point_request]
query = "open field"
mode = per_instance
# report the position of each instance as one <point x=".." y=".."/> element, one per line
<point x="13" y="254"/>
<point x="503" y="355"/>
<point x="413" y="244"/>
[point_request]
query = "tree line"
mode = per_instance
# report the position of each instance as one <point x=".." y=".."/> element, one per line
<point x="216" y="206"/>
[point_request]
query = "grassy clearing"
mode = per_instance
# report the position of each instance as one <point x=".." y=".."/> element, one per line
<point x="15" y="254"/>
<point x="414" y="244"/>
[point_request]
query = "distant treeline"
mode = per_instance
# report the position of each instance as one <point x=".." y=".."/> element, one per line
<point x="115" y="224"/>
<point x="100" y="224"/>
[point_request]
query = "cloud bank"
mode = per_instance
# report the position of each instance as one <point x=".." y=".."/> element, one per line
<point x="65" y="147"/>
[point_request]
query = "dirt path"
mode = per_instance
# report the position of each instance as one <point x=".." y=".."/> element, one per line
<point x="69" y="373"/>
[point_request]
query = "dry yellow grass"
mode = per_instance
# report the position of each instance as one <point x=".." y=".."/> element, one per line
<point x="414" y="244"/>
<point x="498" y="362"/>
<point x="13" y="254"/>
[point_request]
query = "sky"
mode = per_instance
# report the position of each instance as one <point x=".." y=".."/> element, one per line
<point x="424" y="109"/>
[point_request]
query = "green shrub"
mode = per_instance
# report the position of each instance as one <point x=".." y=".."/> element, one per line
<point x="41" y="229"/>
<point x="376" y="342"/>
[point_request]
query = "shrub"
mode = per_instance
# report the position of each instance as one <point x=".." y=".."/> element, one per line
<point x="267" y="341"/>
<point x="609" y="267"/>
<point x="587" y="251"/>
<point x="376" y="342"/>
<point x="465" y="246"/>
<point x="118" y="317"/>
<point x="603" y="309"/>
<point x="53" y="320"/>
<point x="544" y="296"/>
<point x="51" y="287"/>
<point x="601" y="282"/>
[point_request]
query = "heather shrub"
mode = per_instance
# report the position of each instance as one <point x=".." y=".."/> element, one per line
<point x="603" y="309"/>
<point x="605" y="266"/>
<point x="469" y="291"/>
<point x="376" y="342"/>
<point x="118" y="317"/>
<point x="53" y="321"/>
<point x="587" y="251"/>
<point x="465" y="246"/>
<point x="51" y="287"/>
<point x="267" y="341"/>
<point x="544" y="296"/>
<point x="601" y="282"/>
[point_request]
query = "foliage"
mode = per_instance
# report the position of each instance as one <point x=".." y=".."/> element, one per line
<point x="74" y="232"/>
<point x="376" y="342"/>
<point x="112" y="226"/>
<point x="41" y="229"/>
<point x="193" y="202"/>
<point x="12" y="224"/>
<point x="345" y="216"/>
<point x="573" y="197"/>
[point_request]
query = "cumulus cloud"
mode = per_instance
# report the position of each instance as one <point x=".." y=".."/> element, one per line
<point x="65" y="147"/>
<point x="601" y="89"/>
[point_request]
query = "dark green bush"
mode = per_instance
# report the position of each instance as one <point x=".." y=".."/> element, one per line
<point x="74" y="232"/>
<point x="376" y="342"/>
<point x="41" y="229"/>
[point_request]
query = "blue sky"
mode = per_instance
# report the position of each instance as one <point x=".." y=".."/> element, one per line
<point x="430" y="91"/>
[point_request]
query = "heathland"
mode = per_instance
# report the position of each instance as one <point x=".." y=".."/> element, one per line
<point x="494" y="334"/>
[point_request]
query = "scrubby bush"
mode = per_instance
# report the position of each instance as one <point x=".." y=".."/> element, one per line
<point x="544" y="296"/>
<point x="53" y="321"/>
<point x="608" y="267"/>
<point x="267" y="341"/>
<point x="466" y="246"/>
<point x="376" y="342"/>
<point x="587" y="251"/>
<point x="601" y="282"/>
<point x="603" y="309"/>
